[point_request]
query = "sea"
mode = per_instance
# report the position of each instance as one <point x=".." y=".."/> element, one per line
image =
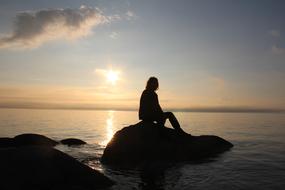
<point x="257" y="160"/>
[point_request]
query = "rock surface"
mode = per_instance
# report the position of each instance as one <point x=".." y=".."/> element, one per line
<point x="72" y="141"/>
<point x="38" y="167"/>
<point x="147" y="142"/>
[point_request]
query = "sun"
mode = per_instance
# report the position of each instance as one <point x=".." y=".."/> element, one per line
<point x="112" y="76"/>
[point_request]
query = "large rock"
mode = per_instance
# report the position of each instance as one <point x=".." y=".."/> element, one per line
<point x="147" y="142"/>
<point x="37" y="168"/>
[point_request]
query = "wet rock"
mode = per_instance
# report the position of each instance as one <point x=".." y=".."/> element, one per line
<point x="147" y="142"/>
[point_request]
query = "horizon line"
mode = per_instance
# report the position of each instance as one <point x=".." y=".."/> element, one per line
<point x="216" y="109"/>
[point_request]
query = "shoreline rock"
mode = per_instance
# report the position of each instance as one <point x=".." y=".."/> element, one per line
<point x="29" y="161"/>
<point x="42" y="167"/>
<point x="147" y="142"/>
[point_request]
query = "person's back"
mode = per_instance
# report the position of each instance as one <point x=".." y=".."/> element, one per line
<point x="149" y="109"/>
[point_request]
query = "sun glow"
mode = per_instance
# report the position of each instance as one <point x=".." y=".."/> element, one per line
<point x="112" y="76"/>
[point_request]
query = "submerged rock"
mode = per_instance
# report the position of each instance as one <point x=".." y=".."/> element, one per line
<point x="72" y="141"/>
<point x="37" y="167"/>
<point x="147" y="142"/>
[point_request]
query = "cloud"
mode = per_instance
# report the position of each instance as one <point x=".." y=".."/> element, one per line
<point x="277" y="50"/>
<point x="130" y="15"/>
<point x="114" y="35"/>
<point x="275" y="33"/>
<point x="33" y="29"/>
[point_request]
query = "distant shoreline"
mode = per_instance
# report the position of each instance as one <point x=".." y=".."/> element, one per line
<point x="198" y="110"/>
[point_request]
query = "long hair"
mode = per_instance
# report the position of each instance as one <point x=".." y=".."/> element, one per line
<point x="152" y="84"/>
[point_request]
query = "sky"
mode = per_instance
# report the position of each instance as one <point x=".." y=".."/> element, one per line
<point x="86" y="54"/>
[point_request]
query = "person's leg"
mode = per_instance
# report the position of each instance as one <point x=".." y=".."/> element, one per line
<point x="161" y="120"/>
<point x="172" y="119"/>
<point x="174" y="122"/>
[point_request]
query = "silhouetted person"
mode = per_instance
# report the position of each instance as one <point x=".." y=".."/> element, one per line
<point x="150" y="109"/>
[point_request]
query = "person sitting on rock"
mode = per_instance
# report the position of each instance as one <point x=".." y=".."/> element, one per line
<point x="150" y="110"/>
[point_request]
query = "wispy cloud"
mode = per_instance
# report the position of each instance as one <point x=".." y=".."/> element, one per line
<point x="218" y="82"/>
<point x="277" y="50"/>
<point x="33" y="29"/>
<point x="130" y="15"/>
<point x="275" y="33"/>
<point x="114" y="35"/>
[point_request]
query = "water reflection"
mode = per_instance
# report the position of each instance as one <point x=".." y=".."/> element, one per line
<point x="109" y="128"/>
<point x="152" y="177"/>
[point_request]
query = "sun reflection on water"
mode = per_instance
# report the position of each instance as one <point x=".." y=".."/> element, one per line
<point x="109" y="128"/>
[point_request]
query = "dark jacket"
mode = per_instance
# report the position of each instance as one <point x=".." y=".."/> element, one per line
<point x="150" y="109"/>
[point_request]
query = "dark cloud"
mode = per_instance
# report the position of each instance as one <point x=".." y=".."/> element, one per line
<point x="32" y="29"/>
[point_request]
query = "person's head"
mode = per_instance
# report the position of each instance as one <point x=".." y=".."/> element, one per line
<point x="152" y="84"/>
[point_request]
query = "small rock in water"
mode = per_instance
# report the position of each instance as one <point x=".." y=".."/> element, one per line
<point x="72" y="141"/>
<point x="33" y="139"/>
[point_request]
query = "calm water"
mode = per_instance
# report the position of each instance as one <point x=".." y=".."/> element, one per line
<point x="256" y="161"/>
